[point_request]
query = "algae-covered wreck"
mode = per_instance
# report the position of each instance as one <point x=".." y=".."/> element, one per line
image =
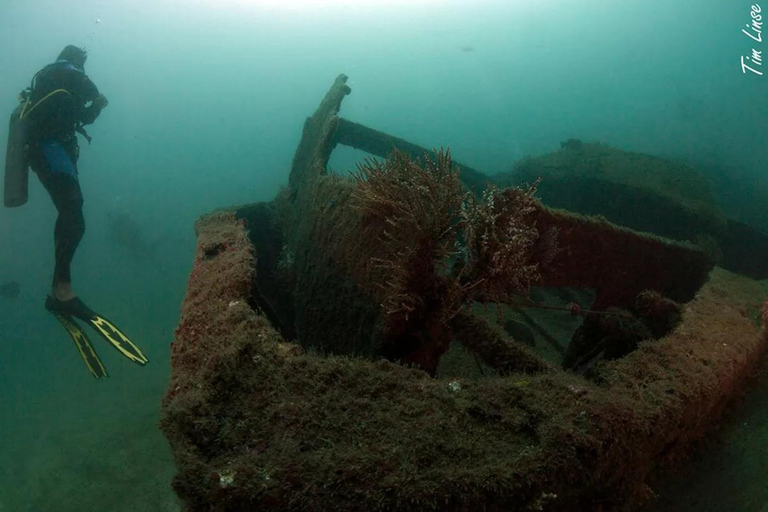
<point x="307" y="365"/>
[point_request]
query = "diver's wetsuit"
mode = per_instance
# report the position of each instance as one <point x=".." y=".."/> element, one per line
<point x="53" y="149"/>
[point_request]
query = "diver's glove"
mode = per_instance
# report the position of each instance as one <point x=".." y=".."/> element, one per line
<point x="100" y="101"/>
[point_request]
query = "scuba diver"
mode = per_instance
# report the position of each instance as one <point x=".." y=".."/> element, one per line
<point x="57" y="108"/>
<point x="42" y="135"/>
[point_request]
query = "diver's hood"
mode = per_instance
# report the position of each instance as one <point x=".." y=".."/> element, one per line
<point x="73" y="54"/>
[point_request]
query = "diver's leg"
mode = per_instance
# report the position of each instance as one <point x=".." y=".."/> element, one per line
<point x="55" y="165"/>
<point x="69" y="230"/>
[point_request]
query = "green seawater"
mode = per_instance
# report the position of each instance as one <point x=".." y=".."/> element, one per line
<point x="207" y="102"/>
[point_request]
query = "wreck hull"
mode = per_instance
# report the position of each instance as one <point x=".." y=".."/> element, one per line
<point x="256" y="423"/>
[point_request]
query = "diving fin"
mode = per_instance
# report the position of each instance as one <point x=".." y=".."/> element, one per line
<point x="84" y="347"/>
<point x="76" y="308"/>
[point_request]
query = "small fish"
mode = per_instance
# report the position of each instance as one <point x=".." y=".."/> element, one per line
<point x="10" y="290"/>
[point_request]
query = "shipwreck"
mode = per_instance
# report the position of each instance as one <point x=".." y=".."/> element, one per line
<point x="421" y="336"/>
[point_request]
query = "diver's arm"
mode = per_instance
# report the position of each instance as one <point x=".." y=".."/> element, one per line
<point x="98" y="102"/>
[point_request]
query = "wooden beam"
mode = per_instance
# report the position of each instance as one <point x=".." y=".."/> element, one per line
<point x="381" y="144"/>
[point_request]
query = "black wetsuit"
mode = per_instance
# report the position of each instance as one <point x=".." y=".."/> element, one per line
<point x="53" y="149"/>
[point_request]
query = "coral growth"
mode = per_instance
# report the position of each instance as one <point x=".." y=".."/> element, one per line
<point x="612" y="334"/>
<point x="432" y="248"/>
<point x="409" y="217"/>
<point x="660" y="314"/>
<point x="502" y="256"/>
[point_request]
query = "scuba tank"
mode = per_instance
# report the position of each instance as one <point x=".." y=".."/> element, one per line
<point x="16" y="161"/>
<point x="16" y="154"/>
